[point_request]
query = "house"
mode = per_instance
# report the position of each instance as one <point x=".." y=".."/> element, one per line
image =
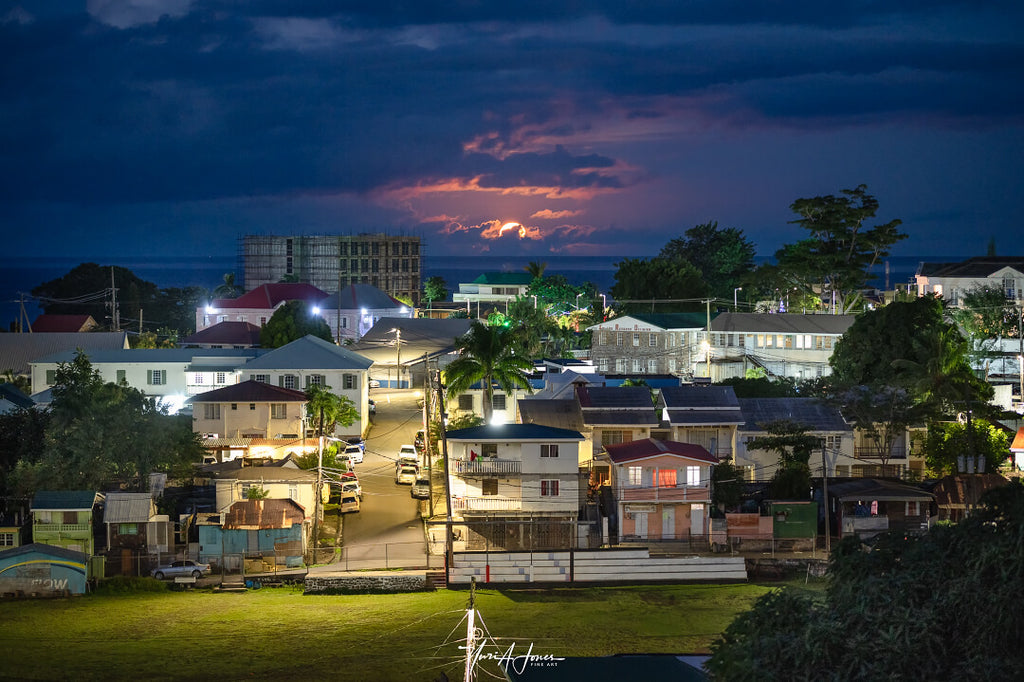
<point x="262" y="449"/>
<point x="957" y="495"/>
<point x="493" y="287"/>
<point x="515" y="486"/>
<point x="504" y="404"/>
<point x="268" y="535"/>
<point x="662" y="489"/>
<point x="783" y="345"/>
<point x="402" y="349"/>
<point x="952" y="280"/>
<point x="282" y="480"/>
<point x="224" y="335"/>
<point x="356" y="308"/>
<point x="52" y="323"/>
<point x="311" y="360"/>
<point x="867" y="507"/>
<point x="17" y="351"/>
<point x="134" y="526"/>
<point x="257" y="306"/>
<point x="12" y="399"/>
<point x="15" y="529"/>
<point x="617" y="414"/>
<point x="251" y="409"/>
<point x="818" y="418"/>
<point x="172" y="374"/>
<point x="43" y="570"/>
<point x="1017" y="450"/>
<point x="648" y="344"/>
<point x="708" y="416"/>
<point x="64" y="518"/>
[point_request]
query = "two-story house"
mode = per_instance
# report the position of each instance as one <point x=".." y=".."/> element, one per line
<point x="259" y="305"/>
<point x="281" y="480"/>
<point x="783" y="345"/>
<point x="708" y="416"/>
<point x="667" y="343"/>
<point x="662" y="489"/>
<point x="952" y="280"/>
<point x="135" y="526"/>
<point x="311" y="360"/>
<point x="251" y="409"/>
<point x="515" y="486"/>
<point x="493" y="287"/>
<point x="353" y="311"/>
<point x="65" y="518"/>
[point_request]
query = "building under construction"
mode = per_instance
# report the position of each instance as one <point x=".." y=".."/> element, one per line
<point x="329" y="262"/>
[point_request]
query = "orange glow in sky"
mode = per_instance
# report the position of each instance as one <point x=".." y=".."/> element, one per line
<point x="510" y="226"/>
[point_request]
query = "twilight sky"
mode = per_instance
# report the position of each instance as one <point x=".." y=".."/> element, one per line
<point x="173" y="127"/>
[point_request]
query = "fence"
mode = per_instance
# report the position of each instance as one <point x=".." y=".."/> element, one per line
<point x="386" y="556"/>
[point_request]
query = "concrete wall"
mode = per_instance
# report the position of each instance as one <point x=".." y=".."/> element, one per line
<point x="393" y="582"/>
<point x="592" y="566"/>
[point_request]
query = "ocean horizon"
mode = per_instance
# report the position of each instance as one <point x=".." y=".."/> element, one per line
<point x="18" y="276"/>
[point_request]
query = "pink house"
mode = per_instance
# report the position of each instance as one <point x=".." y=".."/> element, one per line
<point x="258" y="305"/>
<point x="662" y="489"/>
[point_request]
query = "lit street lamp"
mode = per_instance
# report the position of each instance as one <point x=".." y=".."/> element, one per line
<point x="735" y="305"/>
<point x="578" y="300"/>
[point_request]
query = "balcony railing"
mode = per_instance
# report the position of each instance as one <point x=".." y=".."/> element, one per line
<point x="692" y="493"/>
<point x="60" y="527"/>
<point x="489" y="503"/>
<point x="870" y="452"/>
<point x="486" y="465"/>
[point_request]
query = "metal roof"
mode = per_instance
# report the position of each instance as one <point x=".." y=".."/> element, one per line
<point x="704" y="417"/>
<point x="614" y="397"/>
<point x="310" y="353"/>
<point x="264" y="514"/>
<point x="227" y="332"/>
<point x="699" y="397"/>
<point x="980" y="266"/>
<point x="613" y="417"/>
<point x="782" y="323"/>
<point x="876" y="489"/>
<point x="250" y="392"/>
<point x="650" y="447"/>
<point x="812" y="413"/>
<point x="269" y="295"/>
<point x="510" y="432"/>
<point x="420" y="336"/>
<point x="64" y="499"/>
<point x="562" y="414"/>
<point x="358" y="296"/>
<point x="18" y="350"/>
<point x="128" y="508"/>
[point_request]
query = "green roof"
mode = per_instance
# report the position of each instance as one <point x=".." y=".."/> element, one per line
<point x="64" y="499"/>
<point x="504" y="278"/>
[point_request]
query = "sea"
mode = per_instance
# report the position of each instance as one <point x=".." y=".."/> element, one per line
<point x="18" y="276"/>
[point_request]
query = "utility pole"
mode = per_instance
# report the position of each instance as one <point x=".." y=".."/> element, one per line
<point x="707" y="302"/>
<point x="448" y="549"/>
<point x="428" y="398"/>
<point x="319" y="483"/>
<point x="398" y="362"/>
<point x="115" y="316"/>
<point x="470" y="630"/>
<point x="337" y="319"/>
<point x="824" y="499"/>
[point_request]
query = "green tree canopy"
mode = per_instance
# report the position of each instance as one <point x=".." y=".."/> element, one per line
<point x="489" y="355"/>
<point x="325" y="410"/>
<point x="638" y="280"/>
<point x="792" y="478"/>
<point x="290" y="322"/>
<point x="435" y="289"/>
<point x="938" y="607"/>
<point x="723" y="256"/>
<point x="761" y="387"/>
<point x="838" y="254"/>
<point x="948" y="441"/>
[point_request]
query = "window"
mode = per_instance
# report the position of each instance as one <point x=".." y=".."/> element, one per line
<point x="834" y="442"/>
<point x="549" y="487"/>
<point x="6" y="539"/>
<point x="1008" y="287"/>
<point x="156" y="377"/>
<point x="287" y="381"/>
<point x="652" y="366"/>
<point x="636" y="365"/>
<point x="198" y="379"/>
<point x="489" y="449"/>
<point x="612" y="437"/>
<point x="620" y="365"/>
<point x="489" y="486"/>
<point x="635" y="476"/>
<point x="672" y="365"/>
<point x="51" y="376"/>
<point x="127" y="529"/>
<point x="234" y="406"/>
<point x="278" y="410"/>
<point x="293" y="491"/>
<point x="466" y="402"/>
<point x="264" y="378"/>
<point x="913" y="508"/>
<point x="636" y="339"/>
<point x="315" y="380"/>
<point x="602" y="365"/>
<point x="220" y="378"/>
<point x="652" y="340"/>
<point x="667" y="478"/>
<point x="618" y="338"/>
<point x="498" y="402"/>
<point x="348" y="382"/>
<point x="602" y="339"/>
<point x="692" y="475"/>
<point x="252" y="406"/>
<point x="549" y="450"/>
<point x="211" y="410"/>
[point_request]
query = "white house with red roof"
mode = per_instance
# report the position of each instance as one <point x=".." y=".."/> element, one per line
<point x="258" y="305"/>
<point x="662" y="489"/>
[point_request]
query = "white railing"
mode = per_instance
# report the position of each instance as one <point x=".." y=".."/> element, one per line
<point x="489" y="503"/>
<point x="486" y="465"/>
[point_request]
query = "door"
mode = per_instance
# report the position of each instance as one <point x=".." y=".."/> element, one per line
<point x="668" y="522"/>
<point x="640" y="519"/>
<point x="697" y="520"/>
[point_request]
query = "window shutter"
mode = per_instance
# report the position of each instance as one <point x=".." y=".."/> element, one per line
<point x="280" y="381"/>
<point x="149" y="376"/>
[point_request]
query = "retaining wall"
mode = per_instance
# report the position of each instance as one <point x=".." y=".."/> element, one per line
<point x="635" y="565"/>
<point x="358" y="584"/>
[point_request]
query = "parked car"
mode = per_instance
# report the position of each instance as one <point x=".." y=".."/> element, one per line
<point x="352" y="488"/>
<point x="355" y="452"/>
<point x="344" y="460"/>
<point x="421" y="489"/>
<point x="421" y="439"/>
<point x="407" y="455"/>
<point x="373" y="406"/>
<point x="181" y="568"/>
<point x="349" y="503"/>
<point x="374" y="383"/>
<point x="349" y="476"/>
<point x="405" y="475"/>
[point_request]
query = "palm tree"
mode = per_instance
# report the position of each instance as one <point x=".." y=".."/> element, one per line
<point x="536" y="268"/>
<point x="228" y="289"/>
<point x="488" y="355"/>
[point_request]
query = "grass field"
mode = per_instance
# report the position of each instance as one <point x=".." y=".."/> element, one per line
<point x="281" y="634"/>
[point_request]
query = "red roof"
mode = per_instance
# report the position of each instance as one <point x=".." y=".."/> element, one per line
<point x="649" y="447"/>
<point x="63" y="323"/>
<point x="227" y="333"/>
<point x="269" y="295"/>
<point x="1018" y="441"/>
<point x="250" y="392"/>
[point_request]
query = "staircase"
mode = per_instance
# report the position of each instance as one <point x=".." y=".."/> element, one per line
<point x="231" y="583"/>
<point x="435" y="580"/>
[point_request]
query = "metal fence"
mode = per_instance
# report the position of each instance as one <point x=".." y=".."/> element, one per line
<point x="388" y="555"/>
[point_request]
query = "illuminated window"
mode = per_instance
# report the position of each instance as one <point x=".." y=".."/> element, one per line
<point x="549" y="487"/>
<point x="278" y="411"/>
<point x="667" y="478"/>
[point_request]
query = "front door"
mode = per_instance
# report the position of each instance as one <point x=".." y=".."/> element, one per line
<point x="668" y="522"/>
<point x="697" y="519"/>
<point x="640" y="520"/>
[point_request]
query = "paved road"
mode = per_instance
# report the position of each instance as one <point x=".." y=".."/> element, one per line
<point x="387" y="532"/>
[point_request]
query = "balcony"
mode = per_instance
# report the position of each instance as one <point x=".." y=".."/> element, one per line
<point x="489" y="503"/>
<point x="61" y="528"/>
<point x="484" y="466"/>
<point x="692" y="493"/>
<point x="871" y="452"/>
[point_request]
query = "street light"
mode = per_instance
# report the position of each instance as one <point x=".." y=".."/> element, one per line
<point x="534" y="297"/>
<point x="735" y="305"/>
<point x="578" y="300"/>
<point x="604" y="305"/>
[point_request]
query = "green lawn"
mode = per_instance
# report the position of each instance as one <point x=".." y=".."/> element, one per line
<point x="279" y="633"/>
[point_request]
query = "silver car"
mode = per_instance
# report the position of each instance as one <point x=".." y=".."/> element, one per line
<point x="181" y="568"/>
<point x="405" y="474"/>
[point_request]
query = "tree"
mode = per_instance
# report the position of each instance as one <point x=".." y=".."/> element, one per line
<point x="532" y="326"/>
<point x="947" y="442"/>
<point x="102" y="434"/>
<point x="986" y="317"/>
<point x="435" y="289"/>
<point x="881" y="411"/>
<point x="326" y="410"/>
<point x="761" y="387"/>
<point x="952" y="595"/>
<point x="726" y="486"/>
<point x="639" y="283"/>
<point x="836" y="258"/>
<point x="554" y="294"/>
<point x="22" y="438"/>
<point x="792" y="479"/>
<point x="290" y="322"/>
<point x="536" y="269"/>
<point x="489" y="356"/>
<point x="723" y="257"/>
<point x="228" y="289"/>
<point x="86" y="290"/>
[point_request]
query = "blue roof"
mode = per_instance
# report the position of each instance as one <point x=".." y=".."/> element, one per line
<point x="152" y="355"/>
<point x="310" y="352"/>
<point x="513" y="432"/>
